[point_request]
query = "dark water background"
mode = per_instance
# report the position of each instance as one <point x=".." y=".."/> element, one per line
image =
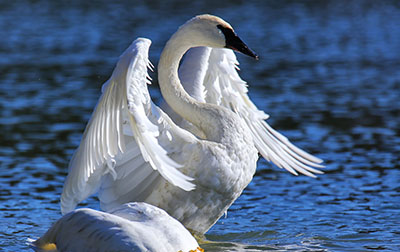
<point x="328" y="76"/>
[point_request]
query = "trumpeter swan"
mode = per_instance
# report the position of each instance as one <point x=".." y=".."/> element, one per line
<point x="131" y="150"/>
<point x="130" y="227"/>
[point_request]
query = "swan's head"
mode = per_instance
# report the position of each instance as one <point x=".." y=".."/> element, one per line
<point x="212" y="31"/>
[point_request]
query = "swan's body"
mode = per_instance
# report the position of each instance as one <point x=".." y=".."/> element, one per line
<point x="130" y="227"/>
<point x="132" y="151"/>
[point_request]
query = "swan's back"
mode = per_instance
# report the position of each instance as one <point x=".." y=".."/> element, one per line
<point x="131" y="227"/>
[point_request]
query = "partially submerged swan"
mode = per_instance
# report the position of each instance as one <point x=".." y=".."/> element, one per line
<point x="132" y="151"/>
<point x="131" y="227"/>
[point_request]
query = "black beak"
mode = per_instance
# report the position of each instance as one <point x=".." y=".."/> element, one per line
<point x="235" y="43"/>
<point x="238" y="45"/>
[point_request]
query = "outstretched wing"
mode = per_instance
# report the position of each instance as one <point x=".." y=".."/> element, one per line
<point x="123" y="138"/>
<point x="217" y="81"/>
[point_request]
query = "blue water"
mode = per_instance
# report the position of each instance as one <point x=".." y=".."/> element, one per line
<point x="328" y="74"/>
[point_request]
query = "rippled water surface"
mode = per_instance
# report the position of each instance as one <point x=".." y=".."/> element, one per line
<point x="329" y="76"/>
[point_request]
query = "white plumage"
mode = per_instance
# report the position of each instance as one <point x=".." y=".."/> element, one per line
<point x="195" y="165"/>
<point x="217" y="81"/>
<point x="131" y="227"/>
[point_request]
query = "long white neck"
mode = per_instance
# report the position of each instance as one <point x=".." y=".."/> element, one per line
<point x="205" y="116"/>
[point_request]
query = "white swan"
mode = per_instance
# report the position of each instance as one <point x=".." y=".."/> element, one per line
<point x="132" y="151"/>
<point x="130" y="227"/>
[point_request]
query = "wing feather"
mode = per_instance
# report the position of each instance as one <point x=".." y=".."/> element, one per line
<point x="223" y="86"/>
<point x="103" y="153"/>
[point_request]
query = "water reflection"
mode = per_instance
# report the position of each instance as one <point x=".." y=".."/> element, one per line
<point x="328" y="76"/>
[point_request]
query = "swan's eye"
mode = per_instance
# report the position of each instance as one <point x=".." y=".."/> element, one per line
<point x="228" y="32"/>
